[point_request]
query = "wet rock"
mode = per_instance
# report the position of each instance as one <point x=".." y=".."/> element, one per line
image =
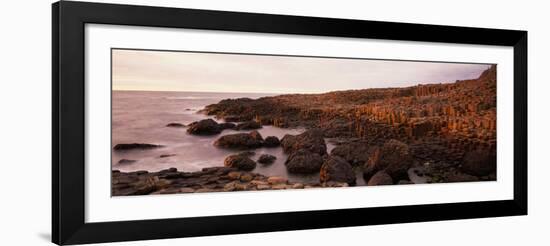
<point x="226" y="125"/>
<point x="240" y="162"/>
<point x="479" y="163"/>
<point x="271" y="141"/>
<point x="177" y="125"/>
<point x="135" y="146"/>
<point x="393" y="157"/>
<point x="240" y="141"/>
<point x="311" y="140"/>
<point x="125" y="161"/>
<point x="266" y="159"/>
<point x="304" y="161"/>
<point x="249" y="125"/>
<point x="166" y="155"/>
<point x="204" y="127"/>
<point x="276" y="180"/>
<point x="356" y="153"/>
<point x="380" y="178"/>
<point x="234" y="175"/>
<point x="337" y="169"/>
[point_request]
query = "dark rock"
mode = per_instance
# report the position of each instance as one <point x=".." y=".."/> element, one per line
<point x="135" y="146"/>
<point x="204" y="127"/>
<point x="126" y="161"/>
<point x="479" y="163"/>
<point x="249" y="125"/>
<point x="166" y="155"/>
<point x="175" y="125"/>
<point x="337" y="169"/>
<point x="393" y="157"/>
<point x="380" y="178"/>
<point x="356" y="153"/>
<point x="304" y="161"/>
<point x="266" y="159"/>
<point x="240" y="141"/>
<point x="240" y="162"/>
<point x="311" y="140"/>
<point x="271" y="141"/>
<point x="226" y="125"/>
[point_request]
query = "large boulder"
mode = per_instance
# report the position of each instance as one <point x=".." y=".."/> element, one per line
<point x="311" y="140"/>
<point x="226" y="125"/>
<point x="303" y="161"/>
<point x="240" y="141"/>
<point x="337" y="169"/>
<point x="479" y="163"/>
<point x="204" y="127"/>
<point x="249" y="125"/>
<point x="356" y="153"/>
<point x="271" y="141"/>
<point x="394" y="157"/>
<point x="380" y="178"/>
<point x="266" y="159"/>
<point x="240" y="162"/>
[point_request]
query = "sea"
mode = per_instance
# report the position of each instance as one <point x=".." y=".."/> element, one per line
<point x="142" y="116"/>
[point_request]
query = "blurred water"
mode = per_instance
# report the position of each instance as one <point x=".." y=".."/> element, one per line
<point x="141" y="117"/>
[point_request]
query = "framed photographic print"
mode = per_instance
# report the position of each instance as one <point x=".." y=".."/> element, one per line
<point x="175" y="122"/>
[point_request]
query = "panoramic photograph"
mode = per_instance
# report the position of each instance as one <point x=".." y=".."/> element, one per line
<point x="192" y="122"/>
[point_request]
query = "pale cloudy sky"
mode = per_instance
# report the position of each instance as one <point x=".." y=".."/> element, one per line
<point x="185" y="71"/>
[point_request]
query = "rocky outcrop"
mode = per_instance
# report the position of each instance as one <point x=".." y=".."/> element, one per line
<point x="248" y="125"/>
<point x="266" y="159"/>
<point x="380" y="178"/>
<point x="303" y="161"/>
<point x="356" y="153"/>
<point x="337" y="169"/>
<point x="240" y="141"/>
<point x="393" y="157"/>
<point x="204" y="127"/>
<point x="240" y="162"/>
<point x="271" y="141"/>
<point x="214" y="179"/>
<point x="135" y="146"/>
<point x="311" y="140"/>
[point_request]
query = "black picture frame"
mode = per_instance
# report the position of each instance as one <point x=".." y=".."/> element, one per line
<point x="68" y="107"/>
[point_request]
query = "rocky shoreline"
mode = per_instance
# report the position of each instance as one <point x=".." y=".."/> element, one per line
<point x="435" y="133"/>
<point x="214" y="179"/>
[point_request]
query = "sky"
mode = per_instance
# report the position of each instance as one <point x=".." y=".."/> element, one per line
<point x="208" y="72"/>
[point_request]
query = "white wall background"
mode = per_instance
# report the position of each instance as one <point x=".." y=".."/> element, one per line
<point x="25" y="56"/>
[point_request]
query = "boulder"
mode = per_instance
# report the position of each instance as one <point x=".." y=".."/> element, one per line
<point x="240" y="162"/>
<point x="311" y="140"/>
<point x="380" y="178"/>
<point x="226" y="125"/>
<point x="240" y="141"/>
<point x="479" y="163"/>
<point x="248" y="125"/>
<point x="204" y="127"/>
<point x="271" y="141"/>
<point x="394" y="157"/>
<point x="303" y="161"/>
<point x="126" y="161"/>
<point x="266" y="159"/>
<point x="134" y="146"/>
<point x="337" y="169"/>
<point x="356" y="153"/>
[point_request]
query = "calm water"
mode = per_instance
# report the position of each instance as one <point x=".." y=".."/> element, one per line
<point x="141" y="117"/>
